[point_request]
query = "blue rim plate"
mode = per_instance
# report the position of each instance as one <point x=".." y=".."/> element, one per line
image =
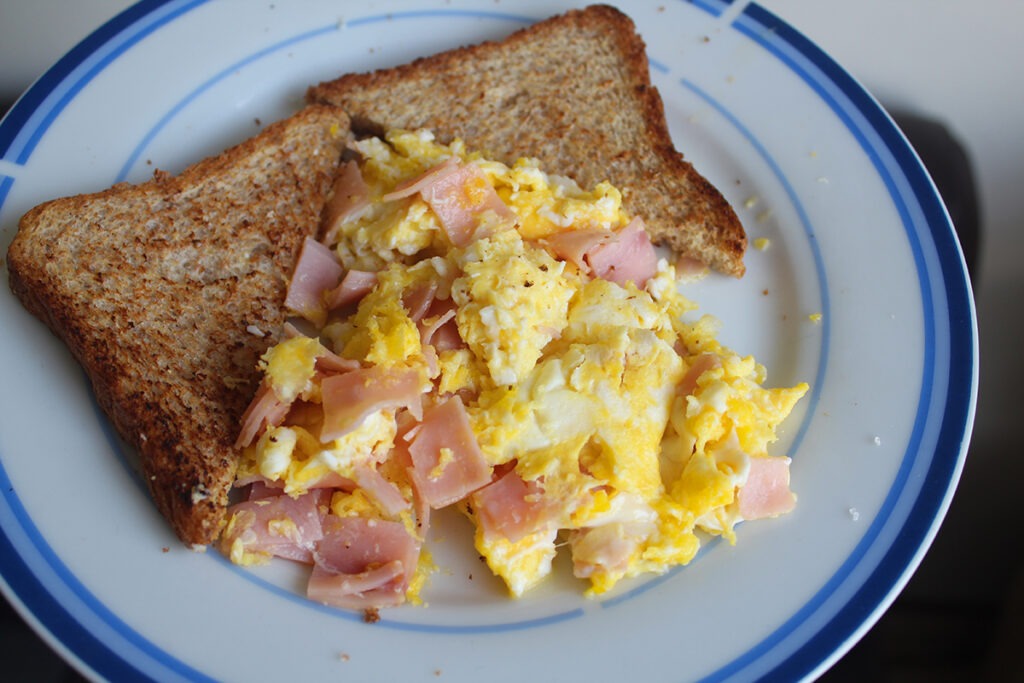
<point x="859" y="288"/>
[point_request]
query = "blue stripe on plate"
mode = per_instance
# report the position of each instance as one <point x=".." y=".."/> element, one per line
<point x="6" y="182"/>
<point x="893" y="158"/>
<point x="712" y="7"/>
<point x="137" y="153"/>
<point x="25" y="125"/>
<point x="819" y="380"/>
<point x="812" y="241"/>
<point x="386" y="621"/>
<point x="49" y="96"/>
<point x="32" y="570"/>
<point x="148" y="138"/>
<point x="439" y="14"/>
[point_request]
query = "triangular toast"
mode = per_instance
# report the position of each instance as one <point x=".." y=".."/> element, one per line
<point x="167" y="293"/>
<point x="573" y="91"/>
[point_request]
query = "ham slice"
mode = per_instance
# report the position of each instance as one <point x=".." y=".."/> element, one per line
<point x="329" y="362"/>
<point x="607" y="548"/>
<point x="277" y="525"/>
<point x="353" y="287"/>
<point x="574" y="245"/>
<point x="419" y="300"/>
<point x="261" y="487"/>
<point x="766" y="493"/>
<point x="350" y="544"/>
<point x="626" y="255"/>
<point x="423" y="182"/>
<point x="447" y="464"/>
<point x="350" y="195"/>
<point x="437" y="326"/>
<point x="461" y="199"/>
<point x="316" y="272"/>
<point x="381" y="586"/>
<point x="459" y="195"/>
<point x="350" y="397"/>
<point x="445" y="336"/>
<point x="511" y="508"/>
<point x="362" y="563"/>
<point x="400" y="454"/>
<point x="629" y="257"/>
<point x="265" y="410"/>
<point x="431" y="331"/>
<point x="386" y="493"/>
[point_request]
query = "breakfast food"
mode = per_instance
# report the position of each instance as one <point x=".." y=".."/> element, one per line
<point x="468" y="328"/>
<point x="497" y="338"/>
<point x="164" y="291"/>
<point x="573" y="91"/>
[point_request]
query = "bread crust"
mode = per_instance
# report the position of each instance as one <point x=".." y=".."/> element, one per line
<point x="153" y="286"/>
<point x="573" y="91"/>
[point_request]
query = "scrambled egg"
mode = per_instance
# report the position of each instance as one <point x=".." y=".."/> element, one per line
<point x="574" y="381"/>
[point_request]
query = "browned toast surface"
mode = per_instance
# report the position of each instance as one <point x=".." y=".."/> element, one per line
<point x="161" y="291"/>
<point x="573" y="91"/>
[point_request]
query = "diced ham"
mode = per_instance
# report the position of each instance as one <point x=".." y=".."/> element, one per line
<point x="317" y="271"/>
<point x="438" y="328"/>
<point x="607" y="548"/>
<point x="353" y="287"/>
<point x="766" y="493"/>
<point x="350" y="397"/>
<point x="423" y="181"/>
<point x="431" y="361"/>
<point x="629" y="257"/>
<point x="265" y="410"/>
<point x="460" y="200"/>
<point x="262" y="488"/>
<point x="419" y="300"/>
<point x="511" y="508"/>
<point x="386" y="493"/>
<point x="350" y="195"/>
<point x="447" y="464"/>
<point x="350" y="544"/>
<point x="446" y="336"/>
<point x="329" y="362"/>
<point x="459" y="195"/>
<point x="381" y="586"/>
<point x="430" y="327"/>
<point x="616" y="256"/>
<point x="573" y="245"/>
<point x="276" y="525"/>
<point x="291" y="331"/>
<point x="363" y="563"/>
<point x="400" y="454"/>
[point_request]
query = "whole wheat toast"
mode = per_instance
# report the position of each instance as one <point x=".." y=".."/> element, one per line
<point x="162" y="291"/>
<point x="573" y="91"/>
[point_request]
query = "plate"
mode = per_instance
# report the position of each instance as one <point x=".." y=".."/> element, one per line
<point x="859" y="289"/>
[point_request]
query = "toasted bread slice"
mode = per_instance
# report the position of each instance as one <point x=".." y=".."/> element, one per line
<point x="161" y="291"/>
<point x="573" y="91"/>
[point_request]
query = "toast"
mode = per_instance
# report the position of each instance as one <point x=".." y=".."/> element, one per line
<point x="573" y="91"/>
<point x="167" y="293"/>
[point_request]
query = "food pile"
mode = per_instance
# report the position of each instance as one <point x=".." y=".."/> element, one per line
<point x="499" y="339"/>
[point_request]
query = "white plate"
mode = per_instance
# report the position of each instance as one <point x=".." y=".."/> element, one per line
<point x="857" y="233"/>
